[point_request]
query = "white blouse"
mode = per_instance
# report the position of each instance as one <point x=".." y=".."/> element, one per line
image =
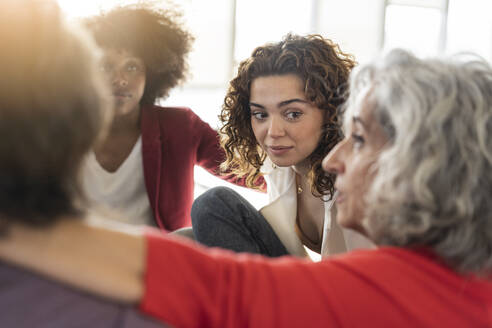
<point x="281" y="213"/>
<point x="122" y="191"/>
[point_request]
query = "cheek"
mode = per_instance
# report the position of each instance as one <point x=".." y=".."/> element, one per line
<point x="360" y="182"/>
<point x="137" y="84"/>
<point x="350" y="213"/>
<point x="141" y="84"/>
<point x="310" y="136"/>
<point x="258" y="131"/>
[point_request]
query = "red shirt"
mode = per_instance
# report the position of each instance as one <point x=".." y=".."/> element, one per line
<point x="188" y="286"/>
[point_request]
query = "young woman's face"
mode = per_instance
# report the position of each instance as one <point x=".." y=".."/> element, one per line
<point x="353" y="161"/>
<point x="286" y="126"/>
<point x="126" y="74"/>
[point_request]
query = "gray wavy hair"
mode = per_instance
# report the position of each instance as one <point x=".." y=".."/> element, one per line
<point x="433" y="186"/>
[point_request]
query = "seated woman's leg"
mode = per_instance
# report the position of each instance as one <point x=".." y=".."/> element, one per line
<point x="222" y="218"/>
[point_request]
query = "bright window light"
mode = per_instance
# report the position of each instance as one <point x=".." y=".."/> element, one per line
<point x="413" y="28"/>
<point x="75" y="9"/>
<point x="470" y="27"/>
<point x="260" y="21"/>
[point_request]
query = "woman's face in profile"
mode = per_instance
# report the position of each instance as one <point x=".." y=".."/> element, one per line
<point x="286" y="126"/>
<point x="126" y="75"/>
<point x="353" y="160"/>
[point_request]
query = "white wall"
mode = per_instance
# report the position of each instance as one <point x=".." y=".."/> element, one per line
<point x="354" y="24"/>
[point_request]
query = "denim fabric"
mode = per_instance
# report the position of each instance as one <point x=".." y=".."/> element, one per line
<point x="222" y="218"/>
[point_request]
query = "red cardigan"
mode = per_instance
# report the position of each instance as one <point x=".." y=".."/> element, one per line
<point x="186" y="286"/>
<point x="173" y="141"/>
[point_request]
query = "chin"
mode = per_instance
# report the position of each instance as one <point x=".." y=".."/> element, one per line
<point x="283" y="162"/>
<point x="345" y="221"/>
<point x="350" y="223"/>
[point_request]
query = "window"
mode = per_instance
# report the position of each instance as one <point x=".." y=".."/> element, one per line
<point x="259" y="21"/>
<point x="418" y="26"/>
<point x="470" y="27"/>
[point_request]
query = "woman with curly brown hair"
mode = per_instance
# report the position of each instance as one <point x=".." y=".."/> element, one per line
<point x="144" y="167"/>
<point x="280" y="118"/>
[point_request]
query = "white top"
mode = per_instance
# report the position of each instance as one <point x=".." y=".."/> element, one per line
<point x="122" y="191"/>
<point x="281" y="214"/>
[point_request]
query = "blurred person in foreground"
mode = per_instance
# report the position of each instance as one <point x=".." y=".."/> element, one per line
<point x="417" y="131"/>
<point x="52" y="110"/>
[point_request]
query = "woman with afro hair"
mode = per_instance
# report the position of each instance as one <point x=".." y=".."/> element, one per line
<point x="144" y="166"/>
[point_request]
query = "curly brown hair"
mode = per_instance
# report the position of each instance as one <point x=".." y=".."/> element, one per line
<point x="324" y="70"/>
<point x="154" y="35"/>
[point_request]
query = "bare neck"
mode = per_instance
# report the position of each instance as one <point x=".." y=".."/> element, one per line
<point x="119" y="142"/>
<point x="123" y="123"/>
<point x="310" y="210"/>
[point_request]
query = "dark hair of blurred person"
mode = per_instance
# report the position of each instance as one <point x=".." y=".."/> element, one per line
<point x="52" y="110"/>
<point x="52" y="102"/>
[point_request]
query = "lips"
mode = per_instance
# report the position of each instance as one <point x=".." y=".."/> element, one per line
<point x="279" y="150"/>
<point x="279" y="147"/>
<point x="340" y="195"/>
<point x="340" y="198"/>
<point x="121" y="94"/>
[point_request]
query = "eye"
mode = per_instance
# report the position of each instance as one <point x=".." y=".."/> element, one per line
<point x="131" y="67"/>
<point x="357" y="140"/>
<point x="259" y="115"/>
<point x="294" y="115"/>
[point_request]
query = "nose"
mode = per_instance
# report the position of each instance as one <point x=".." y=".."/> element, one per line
<point x="119" y="80"/>
<point x="276" y="128"/>
<point x="333" y="161"/>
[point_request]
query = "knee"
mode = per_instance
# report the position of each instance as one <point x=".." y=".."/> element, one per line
<point x="215" y="203"/>
<point x="219" y="193"/>
<point x="208" y="202"/>
<point x="214" y="196"/>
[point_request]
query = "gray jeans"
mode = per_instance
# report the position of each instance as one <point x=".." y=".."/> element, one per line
<point x="222" y="218"/>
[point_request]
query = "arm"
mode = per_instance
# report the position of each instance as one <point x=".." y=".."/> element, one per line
<point x="185" y="286"/>
<point x="88" y="256"/>
<point x="188" y="287"/>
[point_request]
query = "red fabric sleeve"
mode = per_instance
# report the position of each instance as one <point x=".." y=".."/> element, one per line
<point x="186" y="286"/>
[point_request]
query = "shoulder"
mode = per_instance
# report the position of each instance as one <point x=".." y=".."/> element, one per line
<point x="390" y="259"/>
<point x="37" y="295"/>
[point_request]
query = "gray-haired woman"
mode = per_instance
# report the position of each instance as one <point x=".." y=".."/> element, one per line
<point x="413" y="174"/>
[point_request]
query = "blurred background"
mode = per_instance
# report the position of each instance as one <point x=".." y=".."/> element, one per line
<point x="227" y="31"/>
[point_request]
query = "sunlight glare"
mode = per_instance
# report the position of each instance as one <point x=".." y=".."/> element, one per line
<point x="76" y="9"/>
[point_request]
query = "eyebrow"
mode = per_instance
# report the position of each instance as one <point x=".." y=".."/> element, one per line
<point x="282" y="103"/>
